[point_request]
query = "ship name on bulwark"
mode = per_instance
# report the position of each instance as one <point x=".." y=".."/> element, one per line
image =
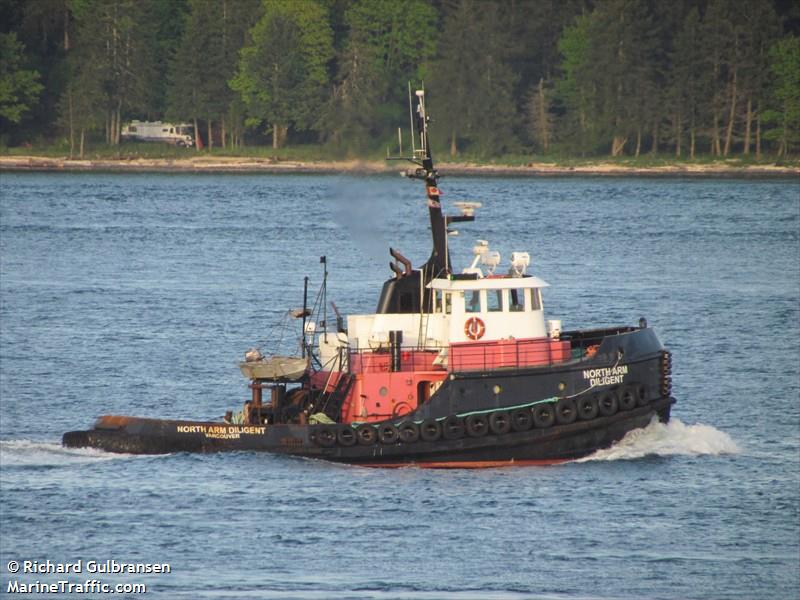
<point x="606" y="375"/>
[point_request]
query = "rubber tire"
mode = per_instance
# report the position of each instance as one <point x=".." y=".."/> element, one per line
<point x="326" y="437"/>
<point x="641" y="396"/>
<point x="453" y="428"/>
<point x="430" y="430"/>
<point x="521" y="419"/>
<point x="388" y="434"/>
<point x="500" y="422"/>
<point x="627" y="399"/>
<point x="566" y="411"/>
<point x="587" y="408"/>
<point x="408" y="432"/>
<point x="544" y="415"/>
<point x="608" y="404"/>
<point x="346" y="436"/>
<point x="367" y="435"/>
<point x="476" y="425"/>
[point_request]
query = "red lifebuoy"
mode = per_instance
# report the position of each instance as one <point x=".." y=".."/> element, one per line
<point x="474" y="328"/>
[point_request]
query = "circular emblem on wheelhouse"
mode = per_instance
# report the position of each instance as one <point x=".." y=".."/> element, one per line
<point x="474" y="328"/>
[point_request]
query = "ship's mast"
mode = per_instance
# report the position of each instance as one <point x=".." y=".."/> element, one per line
<point x="395" y="293"/>
<point x="439" y="262"/>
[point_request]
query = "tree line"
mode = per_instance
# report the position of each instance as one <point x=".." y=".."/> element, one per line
<point x="568" y="77"/>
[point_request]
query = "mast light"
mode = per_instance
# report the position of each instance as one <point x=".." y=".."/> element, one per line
<point x="467" y="208"/>
<point x="520" y="262"/>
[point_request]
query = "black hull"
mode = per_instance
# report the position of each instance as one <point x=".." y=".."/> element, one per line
<point x="553" y="444"/>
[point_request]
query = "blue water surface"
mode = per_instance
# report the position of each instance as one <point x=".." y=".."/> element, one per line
<point x="137" y="294"/>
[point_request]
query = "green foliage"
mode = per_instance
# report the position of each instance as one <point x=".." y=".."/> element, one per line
<point x="611" y="73"/>
<point x="19" y="87"/>
<point x="473" y="104"/>
<point x="114" y="66"/>
<point x="619" y="76"/>
<point x="389" y="43"/>
<point x="573" y="88"/>
<point x="785" y="68"/>
<point x="283" y="73"/>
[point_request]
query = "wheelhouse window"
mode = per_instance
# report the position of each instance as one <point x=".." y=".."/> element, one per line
<point x="516" y="302"/>
<point x="448" y="303"/>
<point x="437" y="301"/>
<point x="472" y="301"/>
<point x="494" y="300"/>
<point x="536" y="299"/>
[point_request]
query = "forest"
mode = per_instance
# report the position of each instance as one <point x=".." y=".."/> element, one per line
<point x="571" y="78"/>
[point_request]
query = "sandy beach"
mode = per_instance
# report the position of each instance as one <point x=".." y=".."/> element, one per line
<point x="222" y="164"/>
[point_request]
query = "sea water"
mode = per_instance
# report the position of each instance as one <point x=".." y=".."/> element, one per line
<point x="138" y="294"/>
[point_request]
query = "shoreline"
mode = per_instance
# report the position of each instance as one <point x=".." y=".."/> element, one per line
<point x="222" y="164"/>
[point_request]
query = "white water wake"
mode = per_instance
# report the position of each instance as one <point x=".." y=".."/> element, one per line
<point x="29" y="453"/>
<point x="668" y="439"/>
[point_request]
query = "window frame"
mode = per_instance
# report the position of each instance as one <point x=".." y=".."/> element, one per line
<point x="470" y="306"/>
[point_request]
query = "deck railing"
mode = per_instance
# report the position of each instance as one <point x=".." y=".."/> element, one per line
<point x="502" y="354"/>
<point x="485" y="356"/>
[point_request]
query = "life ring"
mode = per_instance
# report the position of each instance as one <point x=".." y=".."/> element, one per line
<point x="474" y="328"/>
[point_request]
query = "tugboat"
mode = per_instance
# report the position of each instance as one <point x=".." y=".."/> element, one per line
<point x="454" y="369"/>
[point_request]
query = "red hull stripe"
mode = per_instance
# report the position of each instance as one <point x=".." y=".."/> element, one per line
<point x="477" y="464"/>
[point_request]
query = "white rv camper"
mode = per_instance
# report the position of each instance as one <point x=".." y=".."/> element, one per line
<point x="155" y="131"/>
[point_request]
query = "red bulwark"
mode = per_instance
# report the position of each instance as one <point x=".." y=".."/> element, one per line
<point x="377" y="392"/>
<point x="499" y="354"/>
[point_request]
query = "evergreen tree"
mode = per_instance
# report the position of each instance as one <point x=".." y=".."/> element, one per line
<point x="536" y="27"/>
<point x="283" y="74"/>
<point x="44" y="27"/>
<point x="206" y="60"/>
<point x="472" y="91"/>
<point x="81" y="106"/>
<point x="115" y="47"/>
<point x="785" y="117"/>
<point x="759" y="26"/>
<point x="689" y="79"/>
<point x="389" y="43"/>
<point x="575" y="89"/>
<point x="19" y="87"/>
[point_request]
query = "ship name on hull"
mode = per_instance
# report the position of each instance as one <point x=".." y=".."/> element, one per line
<point x="606" y="375"/>
<point x="222" y="432"/>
